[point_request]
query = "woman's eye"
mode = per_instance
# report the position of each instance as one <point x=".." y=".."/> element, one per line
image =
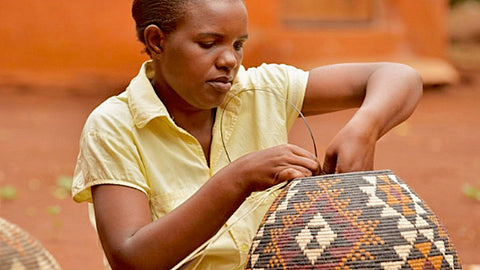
<point x="238" y="46"/>
<point x="206" y="45"/>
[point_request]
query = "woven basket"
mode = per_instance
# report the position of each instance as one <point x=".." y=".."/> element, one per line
<point x="19" y="250"/>
<point x="365" y="220"/>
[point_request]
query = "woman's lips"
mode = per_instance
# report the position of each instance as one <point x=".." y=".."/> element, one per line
<point x="220" y="86"/>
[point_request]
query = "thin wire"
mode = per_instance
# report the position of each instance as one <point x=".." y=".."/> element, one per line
<point x="277" y="95"/>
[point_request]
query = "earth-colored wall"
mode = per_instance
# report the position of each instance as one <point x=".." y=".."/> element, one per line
<point x="59" y="35"/>
<point x="306" y="32"/>
<point x="89" y="42"/>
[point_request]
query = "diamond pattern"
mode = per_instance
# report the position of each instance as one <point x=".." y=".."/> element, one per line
<point x="324" y="237"/>
<point x="366" y="220"/>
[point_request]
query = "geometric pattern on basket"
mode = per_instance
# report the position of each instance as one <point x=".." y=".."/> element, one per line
<point x="19" y="250"/>
<point x="362" y="220"/>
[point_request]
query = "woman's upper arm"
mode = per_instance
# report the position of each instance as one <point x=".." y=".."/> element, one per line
<point x="120" y="211"/>
<point x="342" y="86"/>
<point x="336" y="87"/>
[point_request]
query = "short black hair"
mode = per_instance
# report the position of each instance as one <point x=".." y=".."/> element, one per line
<point x="165" y="14"/>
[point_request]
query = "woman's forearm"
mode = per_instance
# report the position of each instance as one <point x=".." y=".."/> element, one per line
<point x="163" y="243"/>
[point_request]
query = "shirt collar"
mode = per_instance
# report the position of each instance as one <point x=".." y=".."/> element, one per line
<point x="143" y="101"/>
<point x="145" y="105"/>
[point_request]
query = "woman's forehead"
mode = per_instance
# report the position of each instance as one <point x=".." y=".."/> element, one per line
<point x="216" y="14"/>
<point x="217" y="8"/>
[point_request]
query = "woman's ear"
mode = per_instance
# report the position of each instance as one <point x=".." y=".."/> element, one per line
<point x="154" y="39"/>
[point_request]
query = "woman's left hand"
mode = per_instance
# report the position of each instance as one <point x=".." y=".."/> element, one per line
<point x="386" y="95"/>
<point x="352" y="149"/>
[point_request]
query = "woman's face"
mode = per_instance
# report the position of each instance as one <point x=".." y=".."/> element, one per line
<point x="200" y="60"/>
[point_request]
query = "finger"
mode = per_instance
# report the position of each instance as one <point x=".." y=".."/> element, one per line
<point x="346" y="165"/>
<point x="303" y="163"/>
<point x="292" y="172"/>
<point x="306" y="159"/>
<point x="313" y="165"/>
<point x="304" y="172"/>
<point x="354" y="163"/>
<point x="297" y="150"/>
<point x="330" y="163"/>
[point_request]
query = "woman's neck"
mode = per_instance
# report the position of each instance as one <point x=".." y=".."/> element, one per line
<point x="185" y="115"/>
<point x="197" y="122"/>
<point x="193" y="120"/>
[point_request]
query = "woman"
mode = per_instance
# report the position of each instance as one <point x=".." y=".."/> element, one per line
<point x="155" y="160"/>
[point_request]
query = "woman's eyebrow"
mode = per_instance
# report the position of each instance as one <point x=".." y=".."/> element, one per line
<point x="209" y="34"/>
<point x="244" y="37"/>
<point x="217" y="35"/>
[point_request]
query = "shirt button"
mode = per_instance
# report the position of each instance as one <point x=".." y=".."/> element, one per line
<point x="245" y="248"/>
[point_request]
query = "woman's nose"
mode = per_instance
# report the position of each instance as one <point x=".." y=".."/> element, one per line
<point x="228" y="59"/>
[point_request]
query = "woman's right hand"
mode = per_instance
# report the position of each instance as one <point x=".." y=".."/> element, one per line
<point x="262" y="169"/>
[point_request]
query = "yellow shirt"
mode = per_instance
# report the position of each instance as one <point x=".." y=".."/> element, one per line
<point x="131" y="140"/>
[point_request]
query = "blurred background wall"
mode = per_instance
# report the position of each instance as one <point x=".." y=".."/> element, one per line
<point x="89" y="46"/>
<point x="311" y="32"/>
<point x="75" y="46"/>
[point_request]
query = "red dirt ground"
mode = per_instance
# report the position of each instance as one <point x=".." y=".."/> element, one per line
<point x="436" y="152"/>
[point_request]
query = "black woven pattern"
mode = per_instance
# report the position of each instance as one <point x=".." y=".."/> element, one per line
<point x="365" y="220"/>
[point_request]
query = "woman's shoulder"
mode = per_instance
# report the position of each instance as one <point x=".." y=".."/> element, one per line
<point x="270" y="75"/>
<point x="269" y="68"/>
<point x="113" y="113"/>
<point x="270" y="71"/>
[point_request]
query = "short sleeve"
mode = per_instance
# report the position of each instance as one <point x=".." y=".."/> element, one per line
<point x="107" y="155"/>
<point x="288" y="81"/>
